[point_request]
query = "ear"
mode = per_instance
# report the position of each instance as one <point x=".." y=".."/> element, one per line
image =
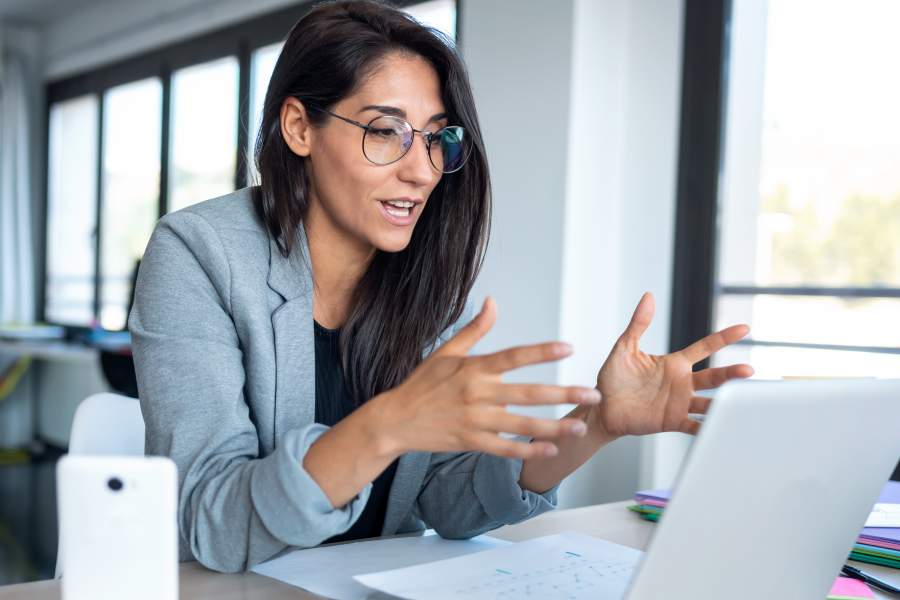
<point x="295" y="127"/>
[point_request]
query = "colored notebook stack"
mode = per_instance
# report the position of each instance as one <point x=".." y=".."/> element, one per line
<point x="876" y="545"/>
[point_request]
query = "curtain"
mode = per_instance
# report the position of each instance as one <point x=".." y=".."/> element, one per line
<point x="16" y="244"/>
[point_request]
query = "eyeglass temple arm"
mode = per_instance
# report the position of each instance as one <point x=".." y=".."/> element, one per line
<point x="337" y="116"/>
<point x="428" y="135"/>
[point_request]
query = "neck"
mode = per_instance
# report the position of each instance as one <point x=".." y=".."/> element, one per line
<point x="338" y="262"/>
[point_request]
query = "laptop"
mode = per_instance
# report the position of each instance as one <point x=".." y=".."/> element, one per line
<point x="776" y="488"/>
<point x="774" y="492"/>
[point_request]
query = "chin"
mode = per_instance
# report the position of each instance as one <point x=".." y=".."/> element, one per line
<point x="396" y="243"/>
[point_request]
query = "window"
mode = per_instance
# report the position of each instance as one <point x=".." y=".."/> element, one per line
<point x="129" y="191"/>
<point x="261" y="66"/>
<point x="203" y="132"/>
<point x="154" y="134"/>
<point x="71" y="211"/>
<point x="440" y="14"/>
<point x="788" y="213"/>
<point x="809" y="243"/>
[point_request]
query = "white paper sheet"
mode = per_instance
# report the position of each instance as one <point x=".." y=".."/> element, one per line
<point x="568" y="565"/>
<point x="329" y="570"/>
<point x="884" y="515"/>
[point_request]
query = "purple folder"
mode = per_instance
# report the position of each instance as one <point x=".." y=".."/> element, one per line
<point x="660" y="495"/>
<point x="878" y="536"/>
<point x="891" y="535"/>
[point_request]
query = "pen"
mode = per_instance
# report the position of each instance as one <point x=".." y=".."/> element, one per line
<point x="857" y="574"/>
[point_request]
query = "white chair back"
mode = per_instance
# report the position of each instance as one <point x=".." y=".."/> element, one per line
<point x="105" y="424"/>
<point x="108" y="424"/>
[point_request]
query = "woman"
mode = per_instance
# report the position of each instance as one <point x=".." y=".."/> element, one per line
<point x="302" y="346"/>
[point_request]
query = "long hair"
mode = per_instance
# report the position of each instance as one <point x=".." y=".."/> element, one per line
<point x="405" y="299"/>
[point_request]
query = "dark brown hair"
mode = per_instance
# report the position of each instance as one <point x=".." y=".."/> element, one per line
<point x="404" y="299"/>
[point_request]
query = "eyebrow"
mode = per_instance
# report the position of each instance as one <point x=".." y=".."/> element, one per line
<point x="399" y="112"/>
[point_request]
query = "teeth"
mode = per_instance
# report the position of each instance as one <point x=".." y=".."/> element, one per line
<point x="401" y="203"/>
<point x="403" y="212"/>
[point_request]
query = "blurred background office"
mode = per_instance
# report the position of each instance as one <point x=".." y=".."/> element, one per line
<point x="738" y="158"/>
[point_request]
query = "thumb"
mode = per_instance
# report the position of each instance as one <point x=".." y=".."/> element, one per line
<point x="474" y="330"/>
<point x="641" y="318"/>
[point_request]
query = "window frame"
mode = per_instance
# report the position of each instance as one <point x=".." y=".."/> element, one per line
<point x="239" y="40"/>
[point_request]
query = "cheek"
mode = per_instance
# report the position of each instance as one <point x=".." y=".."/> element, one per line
<point x="347" y="183"/>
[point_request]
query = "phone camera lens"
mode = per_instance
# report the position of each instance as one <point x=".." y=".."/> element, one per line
<point x="115" y="484"/>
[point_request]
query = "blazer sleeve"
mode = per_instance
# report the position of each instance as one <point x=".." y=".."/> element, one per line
<point x="465" y="494"/>
<point x="235" y="508"/>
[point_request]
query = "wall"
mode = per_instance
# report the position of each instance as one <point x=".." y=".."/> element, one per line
<point x="519" y="58"/>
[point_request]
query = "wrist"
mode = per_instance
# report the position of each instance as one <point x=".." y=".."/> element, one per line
<point x="380" y="428"/>
<point x="596" y="428"/>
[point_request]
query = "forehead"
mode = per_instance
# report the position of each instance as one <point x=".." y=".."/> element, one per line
<point x="405" y="81"/>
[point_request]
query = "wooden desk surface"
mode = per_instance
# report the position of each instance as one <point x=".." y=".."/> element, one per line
<point x="611" y="522"/>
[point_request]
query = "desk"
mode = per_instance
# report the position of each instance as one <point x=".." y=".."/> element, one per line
<point x="61" y="376"/>
<point x="612" y="522"/>
<point x="50" y="350"/>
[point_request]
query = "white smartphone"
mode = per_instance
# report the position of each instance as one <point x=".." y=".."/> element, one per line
<point x="118" y="527"/>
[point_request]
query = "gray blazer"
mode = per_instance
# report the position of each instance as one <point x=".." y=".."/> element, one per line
<point x="222" y="329"/>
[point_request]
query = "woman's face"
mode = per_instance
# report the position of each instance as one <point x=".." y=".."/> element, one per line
<point x="351" y="193"/>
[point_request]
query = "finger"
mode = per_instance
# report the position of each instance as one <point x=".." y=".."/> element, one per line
<point x="708" y="379"/>
<point x="494" y="444"/>
<point x="520" y="356"/>
<point x="714" y="342"/>
<point x="474" y="330"/>
<point x="640" y="319"/>
<point x="689" y="426"/>
<point x="528" y="394"/>
<point x="699" y="405"/>
<point x="506" y="422"/>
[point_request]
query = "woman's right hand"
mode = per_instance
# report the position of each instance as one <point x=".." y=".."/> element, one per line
<point x="454" y="402"/>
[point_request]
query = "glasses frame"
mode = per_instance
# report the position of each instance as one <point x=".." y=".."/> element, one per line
<point x="427" y="136"/>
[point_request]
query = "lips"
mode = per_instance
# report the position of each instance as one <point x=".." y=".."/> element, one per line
<point x="397" y="219"/>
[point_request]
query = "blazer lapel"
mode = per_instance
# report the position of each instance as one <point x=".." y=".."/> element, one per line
<point x="292" y="323"/>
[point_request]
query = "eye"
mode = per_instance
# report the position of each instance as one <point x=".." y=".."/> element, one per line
<point x="384" y="133"/>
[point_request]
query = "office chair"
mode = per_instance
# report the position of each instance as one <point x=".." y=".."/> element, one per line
<point x="105" y="424"/>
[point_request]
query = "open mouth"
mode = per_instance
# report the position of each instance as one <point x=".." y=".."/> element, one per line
<point x="398" y="209"/>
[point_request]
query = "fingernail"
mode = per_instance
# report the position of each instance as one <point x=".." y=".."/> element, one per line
<point x="578" y="428"/>
<point x="562" y="348"/>
<point x="551" y="451"/>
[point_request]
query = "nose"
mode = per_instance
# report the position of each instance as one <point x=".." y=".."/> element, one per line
<point x="415" y="167"/>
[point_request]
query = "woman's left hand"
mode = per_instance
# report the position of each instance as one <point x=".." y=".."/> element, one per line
<point x="643" y="393"/>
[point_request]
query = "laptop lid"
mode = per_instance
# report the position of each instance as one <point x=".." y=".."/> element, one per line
<point x="775" y="490"/>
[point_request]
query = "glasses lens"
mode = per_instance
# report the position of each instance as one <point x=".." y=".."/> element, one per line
<point x="387" y="139"/>
<point x="450" y="149"/>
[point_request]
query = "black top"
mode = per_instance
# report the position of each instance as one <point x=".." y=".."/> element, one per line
<point x="333" y="403"/>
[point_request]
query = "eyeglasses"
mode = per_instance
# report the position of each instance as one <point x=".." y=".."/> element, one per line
<point x="387" y="139"/>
